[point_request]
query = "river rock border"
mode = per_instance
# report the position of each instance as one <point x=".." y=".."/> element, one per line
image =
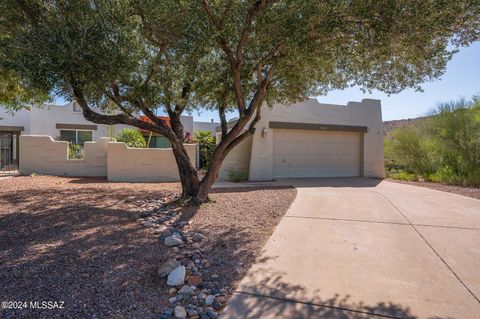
<point x="194" y="289"/>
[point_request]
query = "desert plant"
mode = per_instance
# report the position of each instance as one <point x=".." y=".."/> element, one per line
<point x="75" y="151"/>
<point x="445" y="147"/>
<point x="411" y="150"/>
<point x="132" y="138"/>
<point x="236" y="175"/>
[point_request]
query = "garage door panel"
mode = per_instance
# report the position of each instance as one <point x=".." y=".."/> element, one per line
<point x="305" y="153"/>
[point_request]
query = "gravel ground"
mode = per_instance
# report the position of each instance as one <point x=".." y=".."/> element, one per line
<point x="77" y="241"/>
<point x="460" y="190"/>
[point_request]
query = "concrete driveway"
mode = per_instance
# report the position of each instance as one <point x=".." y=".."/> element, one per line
<point x="361" y="248"/>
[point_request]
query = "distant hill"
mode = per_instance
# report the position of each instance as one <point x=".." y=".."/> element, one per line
<point x="389" y="126"/>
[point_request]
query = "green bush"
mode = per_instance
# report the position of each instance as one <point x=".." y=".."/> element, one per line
<point x="206" y="143"/>
<point x="404" y="176"/>
<point x="445" y="147"/>
<point x="75" y="151"/>
<point x="131" y="137"/>
<point x="236" y="175"/>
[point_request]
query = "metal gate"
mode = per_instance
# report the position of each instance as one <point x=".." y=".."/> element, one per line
<point x="9" y="153"/>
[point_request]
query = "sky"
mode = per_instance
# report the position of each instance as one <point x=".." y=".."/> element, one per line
<point x="460" y="80"/>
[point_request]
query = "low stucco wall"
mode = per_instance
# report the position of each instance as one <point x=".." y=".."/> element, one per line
<point x="42" y="155"/>
<point x="127" y="164"/>
<point x="237" y="160"/>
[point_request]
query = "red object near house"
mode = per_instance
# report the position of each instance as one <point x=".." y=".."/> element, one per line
<point x="146" y="119"/>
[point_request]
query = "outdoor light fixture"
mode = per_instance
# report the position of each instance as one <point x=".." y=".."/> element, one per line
<point x="264" y="132"/>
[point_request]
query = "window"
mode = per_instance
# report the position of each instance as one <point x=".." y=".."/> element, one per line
<point x="76" y="107"/>
<point x="76" y="136"/>
<point x="158" y="142"/>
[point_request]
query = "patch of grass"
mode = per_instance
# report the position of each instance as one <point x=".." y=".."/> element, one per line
<point x="403" y="176"/>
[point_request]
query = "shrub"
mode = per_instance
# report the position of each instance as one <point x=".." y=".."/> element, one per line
<point x="404" y="176"/>
<point x="75" y="151"/>
<point x="236" y="175"/>
<point x="132" y="138"/>
<point x="445" y="147"/>
<point x="206" y="143"/>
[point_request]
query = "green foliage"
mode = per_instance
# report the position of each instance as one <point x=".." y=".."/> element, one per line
<point x="131" y="137"/>
<point x="206" y="143"/>
<point x="150" y="49"/>
<point x="408" y="148"/>
<point x="236" y="175"/>
<point x="75" y="151"/>
<point x="403" y="176"/>
<point x="445" y="147"/>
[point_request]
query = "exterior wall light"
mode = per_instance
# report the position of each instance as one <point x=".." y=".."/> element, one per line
<point x="264" y="132"/>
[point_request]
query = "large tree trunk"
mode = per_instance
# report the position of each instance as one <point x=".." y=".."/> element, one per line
<point x="187" y="172"/>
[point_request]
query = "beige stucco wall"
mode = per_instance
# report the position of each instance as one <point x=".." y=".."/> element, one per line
<point x="127" y="164"/>
<point x="365" y="113"/>
<point x="238" y="159"/>
<point x="42" y="155"/>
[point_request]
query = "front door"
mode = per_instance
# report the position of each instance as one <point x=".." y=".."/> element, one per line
<point x="9" y="152"/>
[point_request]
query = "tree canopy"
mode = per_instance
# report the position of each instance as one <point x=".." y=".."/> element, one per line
<point x="180" y="55"/>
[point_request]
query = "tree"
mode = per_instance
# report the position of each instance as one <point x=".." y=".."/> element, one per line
<point x="180" y="55"/>
<point x="132" y="138"/>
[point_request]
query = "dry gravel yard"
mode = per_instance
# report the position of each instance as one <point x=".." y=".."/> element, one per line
<point x="78" y="241"/>
<point x="473" y="192"/>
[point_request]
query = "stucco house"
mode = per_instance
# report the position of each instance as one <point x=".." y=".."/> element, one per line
<point x="310" y="139"/>
<point x="307" y="139"/>
<point x="66" y="122"/>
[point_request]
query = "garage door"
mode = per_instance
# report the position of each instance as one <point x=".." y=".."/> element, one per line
<point x="311" y="153"/>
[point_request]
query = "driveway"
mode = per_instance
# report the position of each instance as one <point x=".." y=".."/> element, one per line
<point x="360" y="248"/>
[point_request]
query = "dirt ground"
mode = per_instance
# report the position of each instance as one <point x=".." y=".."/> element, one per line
<point x="77" y="242"/>
<point x="473" y="192"/>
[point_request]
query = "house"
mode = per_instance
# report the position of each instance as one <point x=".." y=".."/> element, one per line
<point x="66" y="123"/>
<point x="310" y="139"/>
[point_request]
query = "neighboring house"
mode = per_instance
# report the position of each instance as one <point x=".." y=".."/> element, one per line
<point x="64" y="122"/>
<point x="206" y="126"/>
<point x="310" y="139"/>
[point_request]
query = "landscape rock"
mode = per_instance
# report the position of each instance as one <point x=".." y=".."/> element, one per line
<point x="177" y="276"/>
<point x="148" y="224"/>
<point x="167" y="267"/>
<point x="209" y="300"/>
<point x="180" y="312"/>
<point x="198" y="237"/>
<point x="194" y="280"/>
<point x="186" y="291"/>
<point x="212" y="314"/>
<point x="173" y="240"/>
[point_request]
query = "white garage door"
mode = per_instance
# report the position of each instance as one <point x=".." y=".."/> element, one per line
<point x="310" y="153"/>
